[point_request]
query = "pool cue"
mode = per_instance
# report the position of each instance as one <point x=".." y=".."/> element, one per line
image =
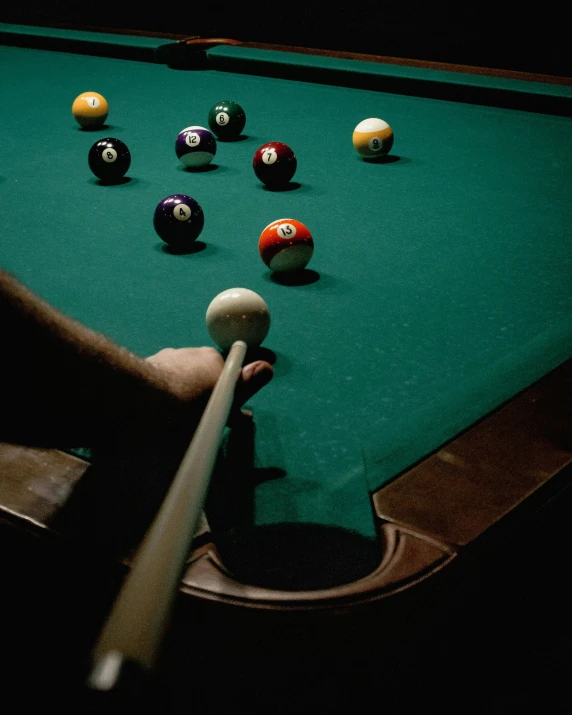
<point x="132" y="635"/>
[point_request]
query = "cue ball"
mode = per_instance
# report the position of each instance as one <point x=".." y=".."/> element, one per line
<point x="178" y="220"/>
<point x="238" y="314"/>
<point x="274" y="164"/>
<point x="195" y="146"/>
<point x="286" y="245"/>
<point x="227" y="120"/>
<point x="90" y="109"/>
<point x="109" y="159"/>
<point x="372" y="137"/>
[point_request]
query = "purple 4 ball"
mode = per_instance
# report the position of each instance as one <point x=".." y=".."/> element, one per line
<point x="178" y="219"/>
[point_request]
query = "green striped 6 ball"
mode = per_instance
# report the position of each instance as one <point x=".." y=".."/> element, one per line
<point x="227" y="120"/>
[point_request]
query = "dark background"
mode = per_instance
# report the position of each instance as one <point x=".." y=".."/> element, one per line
<point x="509" y="645"/>
<point x="524" y="37"/>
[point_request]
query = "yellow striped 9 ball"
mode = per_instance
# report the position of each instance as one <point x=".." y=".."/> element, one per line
<point x="373" y="137"/>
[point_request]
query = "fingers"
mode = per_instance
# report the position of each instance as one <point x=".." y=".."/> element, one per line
<point x="253" y="378"/>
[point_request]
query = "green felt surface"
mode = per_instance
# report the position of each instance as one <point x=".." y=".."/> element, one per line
<point x="231" y="56"/>
<point x="442" y="278"/>
<point x="102" y="38"/>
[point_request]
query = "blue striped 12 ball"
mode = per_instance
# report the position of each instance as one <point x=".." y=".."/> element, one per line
<point x="195" y="146"/>
<point x="178" y="220"/>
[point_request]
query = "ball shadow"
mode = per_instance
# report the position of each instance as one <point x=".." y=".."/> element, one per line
<point x="97" y="128"/>
<point x="233" y="140"/>
<point x="303" y="277"/>
<point x="199" y="169"/>
<point x="116" y="182"/>
<point x="255" y="353"/>
<point x="261" y="353"/>
<point x="277" y="188"/>
<point x="388" y="159"/>
<point x="183" y="248"/>
<point x="280" y="362"/>
<point x="331" y="283"/>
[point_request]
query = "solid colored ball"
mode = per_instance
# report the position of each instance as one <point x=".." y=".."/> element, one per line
<point x="286" y="245"/>
<point x="238" y="314"/>
<point x="227" y="119"/>
<point x="195" y="146"/>
<point x="90" y="109"/>
<point x="178" y="220"/>
<point x="373" y="137"/>
<point x="109" y="159"/>
<point x="274" y="163"/>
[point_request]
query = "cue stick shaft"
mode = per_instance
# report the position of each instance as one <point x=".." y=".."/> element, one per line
<point x="135" y="627"/>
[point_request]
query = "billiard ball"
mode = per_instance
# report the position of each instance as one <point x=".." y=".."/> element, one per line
<point x="227" y="119"/>
<point x="178" y="220"/>
<point x="90" y="109"/>
<point x="238" y="314"/>
<point x="195" y="146"/>
<point x="372" y="137"/>
<point x="274" y="163"/>
<point x="109" y="159"/>
<point x="286" y="245"/>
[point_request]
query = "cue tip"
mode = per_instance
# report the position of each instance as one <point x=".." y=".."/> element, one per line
<point x="115" y="675"/>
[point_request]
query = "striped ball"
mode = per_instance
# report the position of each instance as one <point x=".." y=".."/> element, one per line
<point x="373" y="137"/>
<point x="195" y="146"/>
<point x="286" y="245"/>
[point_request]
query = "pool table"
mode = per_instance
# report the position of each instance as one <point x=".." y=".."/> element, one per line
<point x="420" y="409"/>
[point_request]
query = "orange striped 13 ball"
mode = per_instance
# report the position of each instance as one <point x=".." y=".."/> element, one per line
<point x="286" y="245"/>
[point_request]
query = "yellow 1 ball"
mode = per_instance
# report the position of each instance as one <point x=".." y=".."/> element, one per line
<point x="90" y="109"/>
<point x="373" y="137"/>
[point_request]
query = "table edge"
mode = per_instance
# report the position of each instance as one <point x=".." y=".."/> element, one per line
<point x="203" y="43"/>
<point x="525" y="446"/>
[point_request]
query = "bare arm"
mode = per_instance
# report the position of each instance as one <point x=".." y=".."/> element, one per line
<point x="64" y="384"/>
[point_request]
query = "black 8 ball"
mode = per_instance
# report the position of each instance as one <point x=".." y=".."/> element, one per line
<point x="109" y="159"/>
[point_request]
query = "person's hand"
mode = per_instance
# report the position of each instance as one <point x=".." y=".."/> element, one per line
<point x="193" y="372"/>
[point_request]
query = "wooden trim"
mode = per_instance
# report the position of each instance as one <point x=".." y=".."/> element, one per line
<point x="407" y="62"/>
<point x="206" y="42"/>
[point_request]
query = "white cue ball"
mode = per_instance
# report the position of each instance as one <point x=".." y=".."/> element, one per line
<point x="238" y="314"/>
